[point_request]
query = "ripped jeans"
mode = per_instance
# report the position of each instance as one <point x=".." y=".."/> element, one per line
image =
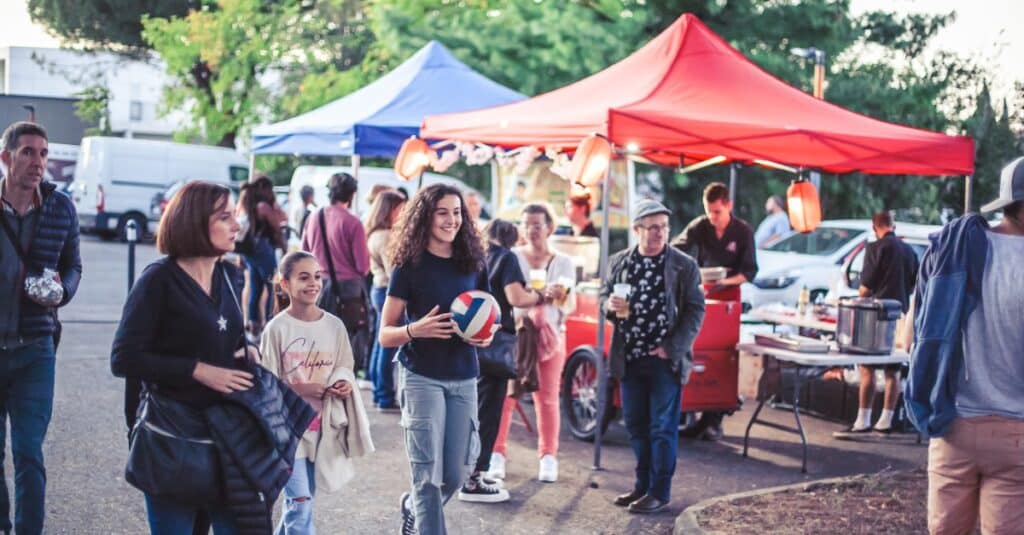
<point x="441" y="440"/>
<point x="297" y="508"/>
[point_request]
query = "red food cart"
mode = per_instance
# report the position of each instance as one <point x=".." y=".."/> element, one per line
<point x="713" y="381"/>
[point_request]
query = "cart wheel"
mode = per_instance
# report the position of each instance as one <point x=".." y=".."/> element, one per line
<point x="579" y="395"/>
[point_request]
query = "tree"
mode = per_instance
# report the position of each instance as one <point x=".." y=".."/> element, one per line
<point x="105" y="24"/>
<point x="217" y="58"/>
<point x="93" y="106"/>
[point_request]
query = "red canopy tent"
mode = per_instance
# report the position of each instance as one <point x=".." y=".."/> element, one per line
<point x="688" y="95"/>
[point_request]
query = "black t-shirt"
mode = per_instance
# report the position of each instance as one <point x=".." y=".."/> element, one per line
<point x="435" y="281"/>
<point x="589" y="230"/>
<point x="169" y="324"/>
<point x="890" y="269"/>
<point x="502" y="270"/>
<point x="734" y="252"/>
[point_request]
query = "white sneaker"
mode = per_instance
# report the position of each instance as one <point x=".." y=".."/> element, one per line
<point x="548" y="469"/>
<point x="497" y="470"/>
<point x="363" y="384"/>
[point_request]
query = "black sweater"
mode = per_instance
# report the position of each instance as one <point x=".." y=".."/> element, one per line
<point x="169" y="325"/>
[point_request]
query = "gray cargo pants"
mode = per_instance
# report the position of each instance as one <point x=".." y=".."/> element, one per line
<point x="441" y="441"/>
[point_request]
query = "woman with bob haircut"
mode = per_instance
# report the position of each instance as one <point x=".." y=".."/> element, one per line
<point x="181" y="330"/>
<point x="437" y="256"/>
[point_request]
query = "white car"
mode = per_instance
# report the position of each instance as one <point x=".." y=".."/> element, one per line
<point x="816" y="261"/>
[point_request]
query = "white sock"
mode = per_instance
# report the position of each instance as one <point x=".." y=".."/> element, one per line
<point x="884" y="420"/>
<point x="863" y="419"/>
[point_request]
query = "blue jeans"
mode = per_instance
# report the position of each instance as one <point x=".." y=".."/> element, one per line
<point x="26" y="396"/>
<point x="172" y="518"/>
<point x="651" y="395"/>
<point x="381" y="358"/>
<point x="441" y="441"/>
<point x="261" y="265"/>
<point x="297" y="509"/>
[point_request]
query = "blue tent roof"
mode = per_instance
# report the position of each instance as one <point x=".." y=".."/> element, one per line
<point x="375" y="120"/>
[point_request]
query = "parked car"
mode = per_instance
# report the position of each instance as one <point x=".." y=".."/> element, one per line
<point x="116" y="178"/>
<point x="817" y="260"/>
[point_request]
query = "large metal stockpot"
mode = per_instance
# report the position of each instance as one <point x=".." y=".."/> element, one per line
<point x="867" y="325"/>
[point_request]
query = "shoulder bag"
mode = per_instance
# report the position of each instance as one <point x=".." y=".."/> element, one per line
<point x="343" y="301"/>
<point x="171" y="451"/>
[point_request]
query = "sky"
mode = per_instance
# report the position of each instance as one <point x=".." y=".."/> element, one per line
<point x="981" y="30"/>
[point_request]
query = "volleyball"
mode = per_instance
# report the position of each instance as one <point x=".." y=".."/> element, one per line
<point x="476" y="315"/>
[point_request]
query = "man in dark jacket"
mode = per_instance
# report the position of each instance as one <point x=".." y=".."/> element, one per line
<point x="719" y="239"/>
<point x="889" y="272"/>
<point x="39" y="232"/>
<point x="656" y="323"/>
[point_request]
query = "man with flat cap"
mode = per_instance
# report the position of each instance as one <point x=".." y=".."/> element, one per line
<point x="656" y="322"/>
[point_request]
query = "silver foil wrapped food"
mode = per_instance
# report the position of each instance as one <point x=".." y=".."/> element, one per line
<point x="44" y="288"/>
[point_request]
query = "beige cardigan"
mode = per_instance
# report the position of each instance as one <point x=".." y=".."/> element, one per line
<point x="344" y="435"/>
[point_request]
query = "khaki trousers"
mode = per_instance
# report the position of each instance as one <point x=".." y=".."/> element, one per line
<point x="977" y="470"/>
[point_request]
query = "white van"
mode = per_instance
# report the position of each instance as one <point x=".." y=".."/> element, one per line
<point x="116" y="178"/>
<point x="317" y="177"/>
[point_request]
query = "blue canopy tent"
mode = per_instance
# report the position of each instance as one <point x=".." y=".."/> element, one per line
<point x="375" y="120"/>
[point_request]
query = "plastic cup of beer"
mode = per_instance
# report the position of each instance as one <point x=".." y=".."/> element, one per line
<point x="563" y="286"/>
<point x="538" y="279"/>
<point x="622" y="290"/>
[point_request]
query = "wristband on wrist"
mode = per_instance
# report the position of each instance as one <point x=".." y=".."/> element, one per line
<point x="408" y="331"/>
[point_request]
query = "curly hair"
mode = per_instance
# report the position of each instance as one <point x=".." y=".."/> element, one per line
<point x="413" y="231"/>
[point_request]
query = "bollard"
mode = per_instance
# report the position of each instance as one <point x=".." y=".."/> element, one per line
<point x="132" y="235"/>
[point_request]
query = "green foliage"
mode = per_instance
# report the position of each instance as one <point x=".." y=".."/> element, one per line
<point x="527" y="45"/>
<point x="93" y="106"/>
<point x="217" y="58"/>
<point x="115" y="24"/>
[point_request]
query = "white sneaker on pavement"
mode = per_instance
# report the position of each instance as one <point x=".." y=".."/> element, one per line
<point x="497" y="470"/>
<point x="548" y="471"/>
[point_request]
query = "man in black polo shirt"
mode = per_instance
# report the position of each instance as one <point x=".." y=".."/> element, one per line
<point x="889" y="272"/>
<point x="718" y="239"/>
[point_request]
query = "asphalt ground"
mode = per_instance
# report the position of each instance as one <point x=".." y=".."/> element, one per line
<point x="86" y="449"/>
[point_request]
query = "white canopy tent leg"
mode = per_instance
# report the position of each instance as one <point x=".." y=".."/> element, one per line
<point x="968" y="187"/>
<point x="252" y="165"/>
<point x="355" y="175"/>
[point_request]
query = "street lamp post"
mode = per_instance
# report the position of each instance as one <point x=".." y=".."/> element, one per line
<point x="819" y="86"/>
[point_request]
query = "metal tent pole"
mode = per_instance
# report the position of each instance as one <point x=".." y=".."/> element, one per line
<point x="602" y="364"/>
<point x="733" y="177"/>
<point x="355" y="175"/>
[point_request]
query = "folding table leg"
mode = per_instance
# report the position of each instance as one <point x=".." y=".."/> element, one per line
<point x="797" y="386"/>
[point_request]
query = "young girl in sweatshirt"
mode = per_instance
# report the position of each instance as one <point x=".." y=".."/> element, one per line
<point x="309" y="349"/>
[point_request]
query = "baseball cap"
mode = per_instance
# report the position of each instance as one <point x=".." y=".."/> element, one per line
<point x="648" y="207"/>
<point x="1011" y="186"/>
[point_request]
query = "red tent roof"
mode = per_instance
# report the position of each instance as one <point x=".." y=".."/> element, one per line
<point x="687" y="93"/>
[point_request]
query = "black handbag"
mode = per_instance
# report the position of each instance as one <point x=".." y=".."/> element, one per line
<point x="346" y="301"/>
<point x="171" y="453"/>
<point x="499" y="358"/>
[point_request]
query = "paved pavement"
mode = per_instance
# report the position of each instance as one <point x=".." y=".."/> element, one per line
<point x="86" y="450"/>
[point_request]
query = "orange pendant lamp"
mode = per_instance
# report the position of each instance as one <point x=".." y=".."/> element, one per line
<point x="591" y="160"/>
<point x="804" y="205"/>
<point x="412" y="159"/>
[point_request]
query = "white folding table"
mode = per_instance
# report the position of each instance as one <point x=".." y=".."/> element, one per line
<point x="808" y="366"/>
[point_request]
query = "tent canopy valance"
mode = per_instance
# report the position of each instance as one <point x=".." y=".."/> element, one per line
<point x="687" y="95"/>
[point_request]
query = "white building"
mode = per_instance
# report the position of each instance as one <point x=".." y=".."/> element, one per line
<point x="136" y="87"/>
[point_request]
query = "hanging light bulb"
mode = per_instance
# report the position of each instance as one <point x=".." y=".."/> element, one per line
<point x="412" y="159"/>
<point x="591" y="160"/>
<point x="803" y="205"/>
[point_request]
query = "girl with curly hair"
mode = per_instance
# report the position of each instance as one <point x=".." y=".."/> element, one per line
<point x="437" y="255"/>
